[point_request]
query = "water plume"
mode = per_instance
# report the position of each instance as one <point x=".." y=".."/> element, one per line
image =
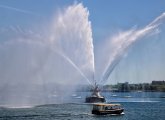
<point x="42" y="67"/>
<point x="39" y="67"/>
<point x="72" y="34"/>
<point x="72" y="63"/>
<point x="122" y="42"/>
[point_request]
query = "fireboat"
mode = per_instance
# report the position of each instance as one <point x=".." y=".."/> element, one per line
<point x="95" y="97"/>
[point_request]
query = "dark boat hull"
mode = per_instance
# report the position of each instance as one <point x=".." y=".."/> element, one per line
<point x="116" y="112"/>
<point x="94" y="99"/>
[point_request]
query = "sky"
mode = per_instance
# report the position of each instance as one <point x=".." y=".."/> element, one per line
<point x="104" y="16"/>
<point x="143" y="62"/>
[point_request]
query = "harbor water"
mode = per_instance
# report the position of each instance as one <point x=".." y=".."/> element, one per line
<point x="137" y="106"/>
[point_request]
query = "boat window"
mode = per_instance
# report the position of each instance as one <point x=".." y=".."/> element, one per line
<point x="107" y="107"/>
<point x="96" y="107"/>
<point x="111" y="107"/>
<point x="116" y="107"/>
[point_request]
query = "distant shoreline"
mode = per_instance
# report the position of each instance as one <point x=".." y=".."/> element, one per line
<point x="155" y="86"/>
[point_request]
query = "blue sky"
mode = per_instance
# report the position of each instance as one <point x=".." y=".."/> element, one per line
<point x="104" y="15"/>
<point x="107" y="17"/>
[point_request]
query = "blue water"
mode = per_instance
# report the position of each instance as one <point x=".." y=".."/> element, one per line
<point x="138" y="106"/>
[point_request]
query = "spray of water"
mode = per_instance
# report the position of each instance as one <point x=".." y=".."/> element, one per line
<point x="72" y="63"/>
<point x="122" y="42"/>
<point x="30" y="61"/>
<point x="72" y="35"/>
<point x="64" y="55"/>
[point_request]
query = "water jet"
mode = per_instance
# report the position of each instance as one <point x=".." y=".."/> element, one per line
<point x="71" y="42"/>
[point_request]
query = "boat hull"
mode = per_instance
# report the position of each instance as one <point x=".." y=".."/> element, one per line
<point x="94" y="99"/>
<point x="116" y="112"/>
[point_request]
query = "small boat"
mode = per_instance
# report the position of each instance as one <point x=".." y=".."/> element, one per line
<point x="95" y="97"/>
<point x="128" y="96"/>
<point x="104" y="109"/>
<point x="74" y="95"/>
<point x="114" y="95"/>
<point x="78" y="97"/>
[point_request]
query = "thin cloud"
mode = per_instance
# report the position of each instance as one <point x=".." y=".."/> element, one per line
<point x="18" y="10"/>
